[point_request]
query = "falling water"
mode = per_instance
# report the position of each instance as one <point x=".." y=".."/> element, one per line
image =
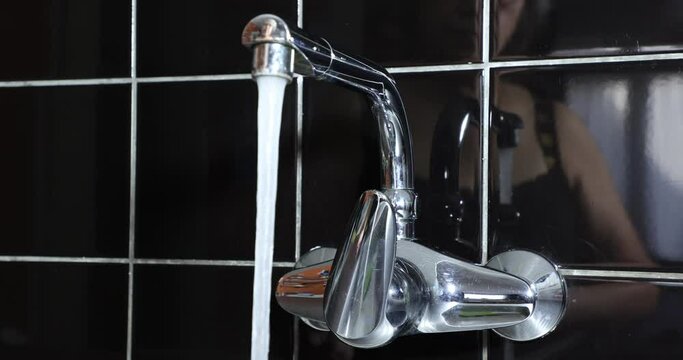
<point x="271" y="91"/>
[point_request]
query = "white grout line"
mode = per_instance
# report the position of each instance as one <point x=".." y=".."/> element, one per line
<point x="299" y="164"/>
<point x="484" y="174"/>
<point x="654" y="275"/>
<point x="135" y="261"/>
<point x="587" y="60"/>
<point x="435" y="68"/>
<point x="486" y="31"/>
<point x="299" y="174"/>
<point x="115" y="81"/>
<point x="133" y="176"/>
<point x="62" y="259"/>
<point x="536" y="63"/>
<point x="484" y="145"/>
<point x="200" y="262"/>
<point x="67" y="82"/>
<point x="170" y="79"/>
<point x="622" y="274"/>
<point x="644" y="58"/>
<point x="485" y="117"/>
<point x="300" y="14"/>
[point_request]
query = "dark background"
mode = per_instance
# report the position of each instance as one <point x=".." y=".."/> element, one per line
<point x="65" y="152"/>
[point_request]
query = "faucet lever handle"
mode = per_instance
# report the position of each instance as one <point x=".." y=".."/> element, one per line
<point x="356" y="296"/>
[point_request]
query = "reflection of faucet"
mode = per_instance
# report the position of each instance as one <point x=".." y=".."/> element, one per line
<point x="383" y="284"/>
<point x="451" y="213"/>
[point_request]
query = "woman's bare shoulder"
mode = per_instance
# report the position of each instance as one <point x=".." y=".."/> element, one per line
<point x="578" y="150"/>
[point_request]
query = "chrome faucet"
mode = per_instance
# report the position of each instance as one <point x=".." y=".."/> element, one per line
<point x="382" y="283"/>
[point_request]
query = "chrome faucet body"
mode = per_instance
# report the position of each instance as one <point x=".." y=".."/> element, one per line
<point x="382" y="283"/>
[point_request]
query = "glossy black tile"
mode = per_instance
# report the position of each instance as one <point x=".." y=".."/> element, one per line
<point x="65" y="155"/>
<point x="183" y="37"/>
<point x="594" y="177"/>
<point x="608" y="320"/>
<point x="63" y="311"/>
<point x="316" y="344"/>
<point x="197" y="312"/>
<point x="49" y="39"/>
<point x="196" y="177"/>
<point x="565" y="28"/>
<point x="341" y="158"/>
<point x="399" y="33"/>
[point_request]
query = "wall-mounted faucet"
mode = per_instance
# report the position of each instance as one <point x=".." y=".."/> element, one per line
<point x="382" y="283"/>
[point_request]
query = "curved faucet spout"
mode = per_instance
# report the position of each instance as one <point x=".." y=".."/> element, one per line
<point x="282" y="50"/>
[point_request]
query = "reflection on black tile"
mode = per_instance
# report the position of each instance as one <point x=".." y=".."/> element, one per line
<point x="65" y="159"/>
<point x="596" y="177"/>
<point x="182" y="37"/>
<point x="63" y="311"/>
<point x="197" y="312"/>
<point x="558" y="28"/>
<point x="608" y="320"/>
<point x="399" y="33"/>
<point x="49" y="39"/>
<point x="314" y="344"/>
<point x="341" y="158"/>
<point x="196" y="186"/>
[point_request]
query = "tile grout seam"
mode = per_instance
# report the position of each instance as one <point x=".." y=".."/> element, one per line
<point x="567" y="271"/>
<point x="484" y="145"/>
<point x="296" y="337"/>
<point x="136" y="261"/>
<point x="133" y="178"/>
<point x="484" y="135"/>
<point x="641" y="58"/>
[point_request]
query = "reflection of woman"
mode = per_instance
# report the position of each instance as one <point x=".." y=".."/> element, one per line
<point x="556" y="159"/>
<point x="562" y="186"/>
<point x="564" y="192"/>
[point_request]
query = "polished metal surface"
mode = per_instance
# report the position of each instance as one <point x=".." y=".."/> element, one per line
<point x="356" y="297"/>
<point x="519" y="294"/>
<point x="301" y="291"/>
<point x="316" y="58"/>
<point x="382" y="284"/>
<point x="274" y="60"/>
<point x="549" y="289"/>
<point x="269" y="36"/>
<point x="462" y="296"/>
<point x="315" y="256"/>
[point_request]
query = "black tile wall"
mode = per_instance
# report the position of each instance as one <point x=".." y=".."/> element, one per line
<point x="466" y="345"/>
<point x="608" y="320"/>
<point x="193" y="37"/>
<point x="341" y="157"/>
<point x="63" y="311"/>
<point x="558" y="28"/>
<point x="399" y="33"/>
<point x="196" y="173"/>
<point x="65" y="155"/>
<point x="56" y="39"/>
<point x="595" y="174"/>
<point x="197" y="312"/>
